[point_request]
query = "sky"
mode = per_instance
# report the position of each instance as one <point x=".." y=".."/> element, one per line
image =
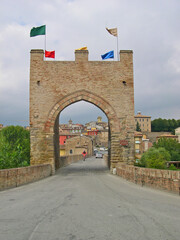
<point x="149" y="28"/>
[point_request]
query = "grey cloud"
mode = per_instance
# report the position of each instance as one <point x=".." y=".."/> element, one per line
<point x="149" y="28"/>
<point x="82" y="112"/>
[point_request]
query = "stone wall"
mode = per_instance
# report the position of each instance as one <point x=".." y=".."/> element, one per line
<point x="15" y="177"/>
<point x="155" y="178"/>
<point x="66" y="160"/>
<point x="105" y="157"/>
<point x="153" y="135"/>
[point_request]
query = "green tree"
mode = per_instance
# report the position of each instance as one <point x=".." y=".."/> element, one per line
<point x="138" y="129"/>
<point x="155" y="158"/>
<point x="164" y="125"/>
<point x="14" y="147"/>
<point x="171" y="145"/>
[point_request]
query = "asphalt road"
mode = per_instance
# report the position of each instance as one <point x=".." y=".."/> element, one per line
<point x="83" y="202"/>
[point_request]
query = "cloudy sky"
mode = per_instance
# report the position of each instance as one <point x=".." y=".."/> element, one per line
<point x="149" y="28"/>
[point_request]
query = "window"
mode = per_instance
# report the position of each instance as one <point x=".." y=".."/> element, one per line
<point x="70" y="151"/>
<point x="137" y="151"/>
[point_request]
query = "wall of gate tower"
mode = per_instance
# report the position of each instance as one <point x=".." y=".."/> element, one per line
<point x="55" y="85"/>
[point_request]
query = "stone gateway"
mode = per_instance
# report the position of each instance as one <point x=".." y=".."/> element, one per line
<point x="54" y="85"/>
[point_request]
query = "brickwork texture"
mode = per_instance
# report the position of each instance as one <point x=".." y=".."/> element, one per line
<point x="15" y="177"/>
<point x="66" y="160"/>
<point x="155" y="178"/>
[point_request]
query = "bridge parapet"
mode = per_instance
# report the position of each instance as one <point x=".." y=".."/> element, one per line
<point x="154" y="178"/>
<point x="15" y="177"/>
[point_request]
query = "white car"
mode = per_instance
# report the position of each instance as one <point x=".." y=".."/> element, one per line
<point x="102" y="149"/>
<point x="99" y="155"/>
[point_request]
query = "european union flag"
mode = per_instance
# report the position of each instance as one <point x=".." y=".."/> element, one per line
<point x="108" y="55"/>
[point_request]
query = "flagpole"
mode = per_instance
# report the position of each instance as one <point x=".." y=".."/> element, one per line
<point x="45" y="43"/>
<point x="114" y="32"/>
<point x="117" y="49"/>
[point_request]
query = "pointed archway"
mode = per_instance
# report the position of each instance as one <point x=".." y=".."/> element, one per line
<point x="51" y="127"/>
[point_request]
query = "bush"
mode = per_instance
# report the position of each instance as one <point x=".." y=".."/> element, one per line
<point x="14" y="147"/>
<point x="171" y="145"/>
<point x="155" y="158"/>
<point x="172" y="167"/>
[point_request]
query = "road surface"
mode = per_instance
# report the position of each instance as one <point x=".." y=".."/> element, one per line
<point x="84" y="202"/>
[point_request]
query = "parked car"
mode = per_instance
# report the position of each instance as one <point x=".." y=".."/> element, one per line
<point x="99" y="155"/>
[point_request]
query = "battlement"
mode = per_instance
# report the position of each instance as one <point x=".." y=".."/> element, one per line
<point x="82" y="55"/>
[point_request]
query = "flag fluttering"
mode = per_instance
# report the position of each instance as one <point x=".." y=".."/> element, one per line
<point x="49" y="54"/>
<point x="108" y="55"/>
<point x="112" y="31"/>
<point x="83" y="48"/>
<point x="38" y="31"/>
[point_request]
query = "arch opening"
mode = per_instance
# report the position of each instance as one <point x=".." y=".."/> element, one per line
<point x="81" y="126"/>
<point x="52" y="123"/>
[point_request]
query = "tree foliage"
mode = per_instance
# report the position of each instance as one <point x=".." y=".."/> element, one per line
<point x="14" y="147"/>
<point x="138" y="129"/>
<point x="164" y="150"/>
<point x="171" y="145"/>
<point x="155" y="158"/>
<point x="164" y="125"/>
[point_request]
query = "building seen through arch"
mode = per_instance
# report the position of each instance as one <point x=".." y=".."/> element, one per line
<point x="97" y="130"/>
